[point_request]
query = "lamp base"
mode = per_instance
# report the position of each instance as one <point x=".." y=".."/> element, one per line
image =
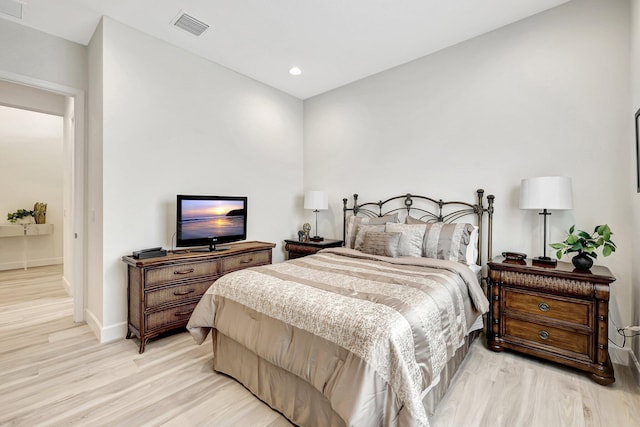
<point x="316" y="239"/>
<point x="544" y="261"/>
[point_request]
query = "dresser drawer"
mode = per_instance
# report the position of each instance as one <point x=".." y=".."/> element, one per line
<point x="244" y="261"/>
<point x="575" y="311"/>
<point x="174" y="316"/>
<point x="549" y="336"/>
<point x="160" y="276"/>
<point x="160" y="296"/>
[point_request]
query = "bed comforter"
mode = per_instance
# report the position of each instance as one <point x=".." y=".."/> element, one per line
<point x="370" y="333"/>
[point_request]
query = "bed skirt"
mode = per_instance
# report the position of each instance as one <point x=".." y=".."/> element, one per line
<point x="296" y="399"/>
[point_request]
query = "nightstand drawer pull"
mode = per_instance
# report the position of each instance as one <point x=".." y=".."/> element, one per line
<point x="543" y="306"/>
<point x="248" y="261"/>
<point x="544" y="335"/>
<point x="191" y="270"/>
<point x="179" y="293"/>
<point x="182" y="313"/>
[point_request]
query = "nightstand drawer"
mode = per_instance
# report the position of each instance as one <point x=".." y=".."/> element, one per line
<point x="574" y="311"/>
<point x="170" y="316"/>
<point x="554" y="338"/>
<point x="244" y="261"/>
<point x="172" y="294"/>
<point x="159" y="276"/>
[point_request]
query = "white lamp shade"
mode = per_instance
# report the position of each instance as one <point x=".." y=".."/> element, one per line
<point x="316" y="200"/>
<point x="546" y="192"/>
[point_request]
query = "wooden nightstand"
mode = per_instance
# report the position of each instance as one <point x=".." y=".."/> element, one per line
<point x="557" y="314"/>
<point x="298" y="249"/>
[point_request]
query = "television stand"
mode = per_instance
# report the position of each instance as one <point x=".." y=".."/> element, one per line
<point x="163" y="291"/>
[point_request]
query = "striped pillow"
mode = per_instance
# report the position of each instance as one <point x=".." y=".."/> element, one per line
<point x="447" y="241"/>
<point x="381" y="243"/>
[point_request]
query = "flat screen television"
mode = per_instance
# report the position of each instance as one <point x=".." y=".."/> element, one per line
<point x="210" y="220"/>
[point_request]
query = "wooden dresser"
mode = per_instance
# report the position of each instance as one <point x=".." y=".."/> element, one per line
<point x="164" y="291"/>
<point x="556" y="314"/>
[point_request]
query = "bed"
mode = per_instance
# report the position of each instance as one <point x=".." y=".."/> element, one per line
<point x="366" y="335"/>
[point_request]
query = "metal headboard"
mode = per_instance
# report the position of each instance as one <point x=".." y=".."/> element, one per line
<point x="429" y="210"/>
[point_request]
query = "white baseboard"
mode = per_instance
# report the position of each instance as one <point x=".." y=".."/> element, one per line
<point x="105" y="334"/>
<point x="619" y="356"/>
<point x="67" y="286"/>
<point x="93" y="322"/>
<point x="114" y="332"/>
<point x="635" y="366"/>
<point x="625" y="356"/>
<point x="14" y="265"/>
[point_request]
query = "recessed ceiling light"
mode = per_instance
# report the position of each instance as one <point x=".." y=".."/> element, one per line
<point x="295" y="71"/>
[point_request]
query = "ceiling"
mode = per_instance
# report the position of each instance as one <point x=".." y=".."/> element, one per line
<point x="333" y="42"/>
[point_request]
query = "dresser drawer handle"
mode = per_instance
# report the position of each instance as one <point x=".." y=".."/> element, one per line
<point x="179" y="293"/>
<point x="191" y="270"/>
<point x="246" y="261"/>
<point x="543" y="306"/>
<point x="182" y="313"/>
<point x="544" y="335"/>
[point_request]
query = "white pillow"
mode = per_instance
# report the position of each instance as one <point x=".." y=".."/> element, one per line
<point x="411" y="239"/>
<point x="472" y="249"/>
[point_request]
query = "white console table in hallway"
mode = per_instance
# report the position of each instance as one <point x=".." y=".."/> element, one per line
<point x="25" y="230"/>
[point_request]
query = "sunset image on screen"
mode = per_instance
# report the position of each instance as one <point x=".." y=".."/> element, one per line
<point x="212" y="218"/>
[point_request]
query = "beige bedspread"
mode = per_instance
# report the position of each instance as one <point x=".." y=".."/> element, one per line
<point x="382" y="328"/>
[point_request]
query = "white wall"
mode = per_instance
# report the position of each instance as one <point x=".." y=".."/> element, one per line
<point x="173" y="123"/>
<point x="94" y="295"/>
<point x="30" y="171"/>
<point x="39" y="60"/>
<point x="32" y="53"/>
<point x="635" y="197"/>
<point x="548" y="95"/>
<point x="29" y="98"/>
<point x="33" y="56"/>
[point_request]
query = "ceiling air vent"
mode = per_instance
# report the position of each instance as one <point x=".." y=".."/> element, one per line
<point x="188" y="23"/>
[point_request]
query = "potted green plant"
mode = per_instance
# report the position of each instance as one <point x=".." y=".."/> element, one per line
<point x="19" y="215"/>
<point x="585" y="245"/>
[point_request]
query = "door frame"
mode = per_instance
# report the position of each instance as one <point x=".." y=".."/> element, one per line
<point x="76" y="235"/>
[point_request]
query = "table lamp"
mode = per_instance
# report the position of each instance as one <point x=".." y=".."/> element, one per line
<point x="316" y="200"/>
<point x="546" y="193"/>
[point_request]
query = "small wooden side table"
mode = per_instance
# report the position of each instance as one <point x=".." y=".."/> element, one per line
<point x="298" y="249"/>
<point x="559" y="314"/>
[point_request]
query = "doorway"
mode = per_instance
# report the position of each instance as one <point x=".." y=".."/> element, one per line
<point x="73" y="189"/>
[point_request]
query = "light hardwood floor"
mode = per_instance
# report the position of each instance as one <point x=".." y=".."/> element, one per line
<point x="54" y="372"/>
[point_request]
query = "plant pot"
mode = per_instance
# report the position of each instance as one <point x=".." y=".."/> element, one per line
<point x="25" y="220"/>
<point x="582" y="261"/>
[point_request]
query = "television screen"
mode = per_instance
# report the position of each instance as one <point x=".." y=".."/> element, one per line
<point x="208" y="220"/>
